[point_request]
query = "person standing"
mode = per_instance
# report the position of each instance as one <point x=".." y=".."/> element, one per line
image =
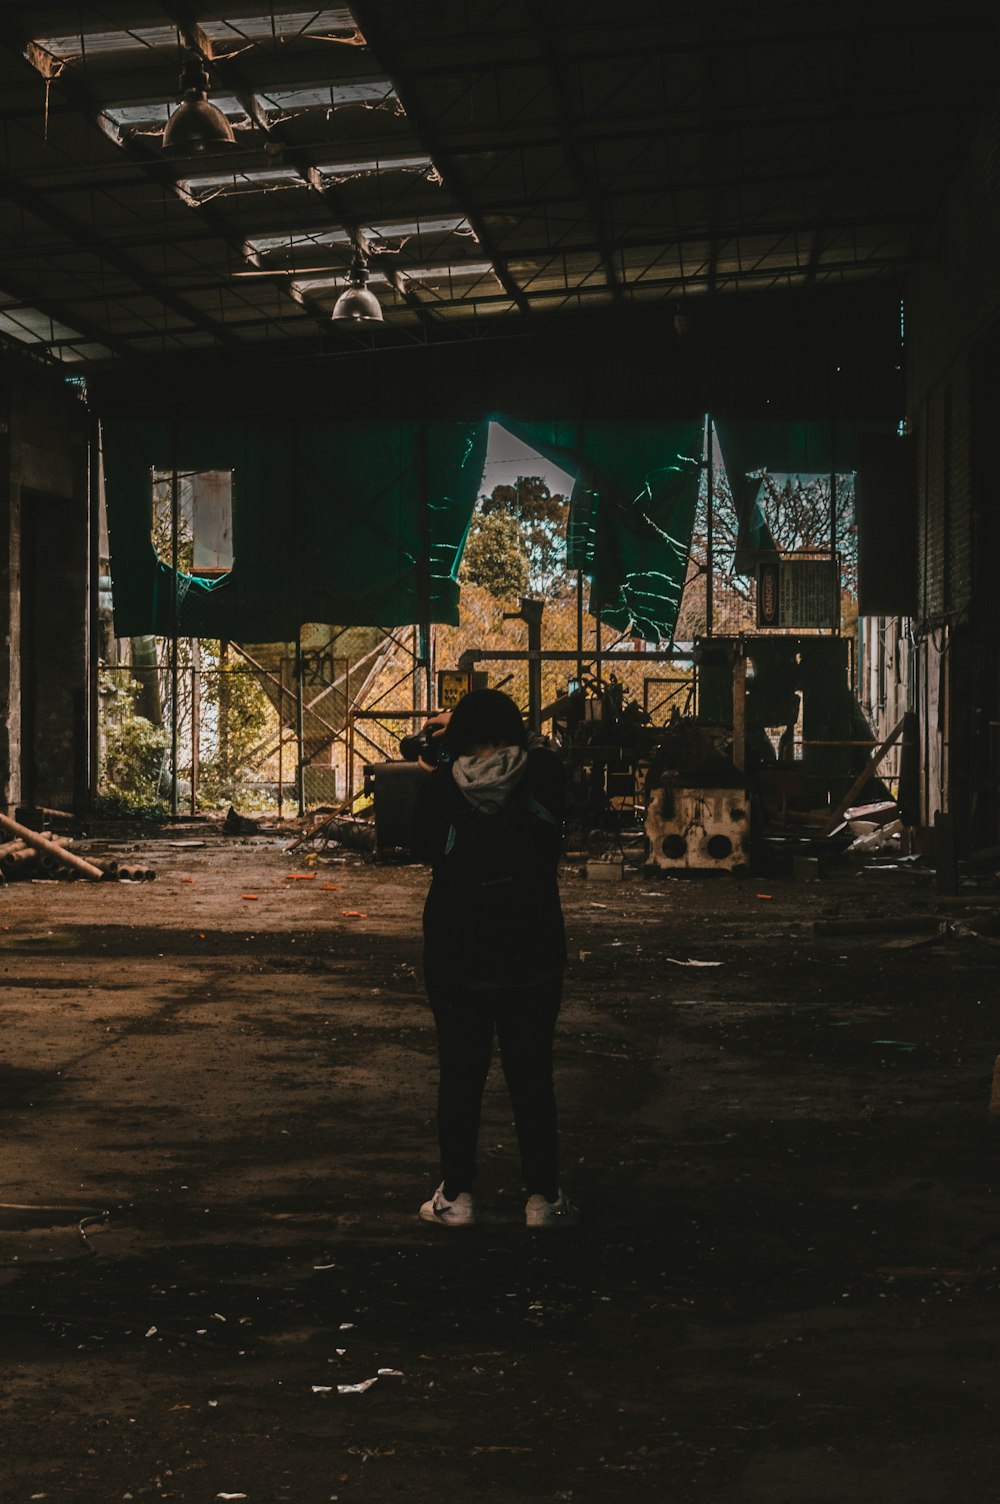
<point x="488" y="820"/>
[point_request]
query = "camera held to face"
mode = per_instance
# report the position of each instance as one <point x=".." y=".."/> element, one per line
<point x="421" y="746"/>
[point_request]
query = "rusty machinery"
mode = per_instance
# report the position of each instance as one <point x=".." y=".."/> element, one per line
<point x="778" y="728"/>
<point x="697" y="803"/>
<point x="681" y="781"/>
<point x="778" y="731"/>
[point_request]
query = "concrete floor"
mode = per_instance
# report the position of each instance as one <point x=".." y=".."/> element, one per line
<point x="785" y="1291"/>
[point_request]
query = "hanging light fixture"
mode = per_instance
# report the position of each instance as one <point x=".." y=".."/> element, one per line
<point x="356" y="305"/>
<point x="196" y="125"/>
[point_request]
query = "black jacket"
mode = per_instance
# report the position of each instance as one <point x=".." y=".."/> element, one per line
<point x="492" y="917"/>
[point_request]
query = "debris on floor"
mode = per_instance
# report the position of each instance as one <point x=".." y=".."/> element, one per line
<point x="239" y="825"/>
<point x="52" y="854"/>
<point x="340" y="830"/>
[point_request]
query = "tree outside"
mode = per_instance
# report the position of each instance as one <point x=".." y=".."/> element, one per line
<point x="539" y="519"/>
<point x="796" y="511"/>
<point x="517" y="547"/>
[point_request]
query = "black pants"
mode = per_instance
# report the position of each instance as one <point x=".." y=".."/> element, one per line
<point x="524" y="1021"/>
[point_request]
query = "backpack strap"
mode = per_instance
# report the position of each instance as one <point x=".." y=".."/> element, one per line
<point x="464" y="815"/>
<point x="534" y="807"/>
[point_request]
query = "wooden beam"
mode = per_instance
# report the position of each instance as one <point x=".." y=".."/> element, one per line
<point x="837" y="814"/>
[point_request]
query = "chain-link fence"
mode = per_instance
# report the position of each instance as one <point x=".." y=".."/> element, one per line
<point x="238" y="734"/>
<point x="208" y="736"/>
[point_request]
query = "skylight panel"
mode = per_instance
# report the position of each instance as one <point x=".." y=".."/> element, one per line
<point x="275" y="102"/>
<point x="333" y="170"/>
<point x="17" y="329"/>
<point x="207" y="184"/>
<point x="327" y="96"/>
<point x="263" y="245"/>
<point x="308" y="286"/>
<point x="456" y="271"/>
<point x="32" y="327"/>
<point x="154" y="114"/>
<point x="333" y="21"/>
<point x="304" y="288"/>
<point x="70" y="354"/>
<point x="102" y="43"/>
<point x="29" y="326"/>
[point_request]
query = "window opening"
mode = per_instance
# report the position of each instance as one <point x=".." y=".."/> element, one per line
<point x="204" y="520"/>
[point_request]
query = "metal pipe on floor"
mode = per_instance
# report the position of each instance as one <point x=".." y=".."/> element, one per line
<point x="46" y="847"/>
<point x="18" y="864"/>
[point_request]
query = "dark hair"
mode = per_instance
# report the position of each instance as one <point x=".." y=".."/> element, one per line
<point x="485" y="718"/>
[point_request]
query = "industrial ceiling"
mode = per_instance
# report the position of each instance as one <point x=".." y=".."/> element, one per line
<point x="496" y="162"/>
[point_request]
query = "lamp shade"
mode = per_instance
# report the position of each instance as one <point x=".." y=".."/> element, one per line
<point x="356" y="305"/>
<point x="197" y="126"/>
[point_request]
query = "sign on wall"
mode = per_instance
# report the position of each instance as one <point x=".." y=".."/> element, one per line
<point x="798" y="593"/>
<point x="453" y="685"/>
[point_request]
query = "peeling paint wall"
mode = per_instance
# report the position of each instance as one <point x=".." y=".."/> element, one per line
<point x="886" y="684"/>
<point x="953" y="344"/>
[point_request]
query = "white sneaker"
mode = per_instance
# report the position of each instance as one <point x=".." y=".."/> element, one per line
<point x="458" y="1213"/>
<point x="559" y="1213"/>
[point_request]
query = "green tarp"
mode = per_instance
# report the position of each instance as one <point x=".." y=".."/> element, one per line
<point x="781" y="447"/>
<point x="329" y="523"/>
<point x="363" y="523"/>
<point x="631" y="511"/>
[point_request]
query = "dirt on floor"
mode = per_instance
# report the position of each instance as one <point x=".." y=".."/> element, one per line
<point x="217" y="1096"/>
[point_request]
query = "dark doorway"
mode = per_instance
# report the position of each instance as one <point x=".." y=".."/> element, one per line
<point x="53" y="651"/>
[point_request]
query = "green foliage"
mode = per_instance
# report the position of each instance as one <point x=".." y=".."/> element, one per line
<point x="242" y="713"/>
<point x="496" y="557"/>
<point x="541" y="519"/>
<point x="161" y="525"/>
<point x="235" y="717"/>
<point x="133" y="750"/>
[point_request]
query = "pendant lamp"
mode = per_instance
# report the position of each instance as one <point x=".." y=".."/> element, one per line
<point x="356" y="305"/>
<point x="196" y="125"/>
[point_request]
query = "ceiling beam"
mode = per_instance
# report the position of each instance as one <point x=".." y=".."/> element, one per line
<point x="230" y="75"/>
<point x="62" y="313"/>
<point x="533" y="251"/>
<point x="378" y="39"/>
<point x="444" y="57"/>
<point x="157" y="169"/>
<point x="81" y="235"/>
<point x="89" y="240"/>
<point x="549" y="24"/>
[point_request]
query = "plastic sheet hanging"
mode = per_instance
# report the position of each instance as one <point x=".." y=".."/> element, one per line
<point x="359" y="523"/>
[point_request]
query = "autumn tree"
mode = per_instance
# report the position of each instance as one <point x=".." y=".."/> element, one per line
<point x="540" y="517"/>
<point x="496" y="556"/>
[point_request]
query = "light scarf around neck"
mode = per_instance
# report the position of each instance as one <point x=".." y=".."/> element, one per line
<point x="487" y="781"/>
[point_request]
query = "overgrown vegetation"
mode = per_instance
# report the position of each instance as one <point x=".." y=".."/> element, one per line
<point x="133" y="750"/>
<point x="226" y="707"/>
